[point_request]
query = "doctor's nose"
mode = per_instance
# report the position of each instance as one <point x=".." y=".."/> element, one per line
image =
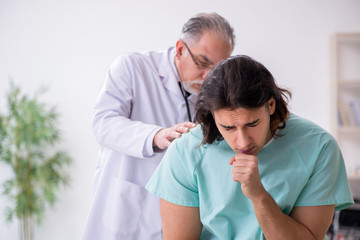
<point x="205" y="73"/>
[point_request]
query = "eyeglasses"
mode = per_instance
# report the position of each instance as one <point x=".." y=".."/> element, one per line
<point x="198" y="63"/>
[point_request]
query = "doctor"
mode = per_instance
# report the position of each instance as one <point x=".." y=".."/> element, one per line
<point x="147" y="101"/>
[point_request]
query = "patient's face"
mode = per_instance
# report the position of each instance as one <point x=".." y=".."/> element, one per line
<point x="245" y="130"/>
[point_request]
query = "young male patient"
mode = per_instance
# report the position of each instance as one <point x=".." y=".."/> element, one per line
<point x="250" y="169"/>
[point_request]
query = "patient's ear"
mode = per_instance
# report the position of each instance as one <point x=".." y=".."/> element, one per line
<point x="271" y="105"/>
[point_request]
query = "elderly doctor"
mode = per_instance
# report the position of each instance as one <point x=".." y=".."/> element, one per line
<point x="146" y="102"/>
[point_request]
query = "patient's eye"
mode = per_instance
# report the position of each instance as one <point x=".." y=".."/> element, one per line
<point x="228" y="128"/>
<point x="253" y="124"/>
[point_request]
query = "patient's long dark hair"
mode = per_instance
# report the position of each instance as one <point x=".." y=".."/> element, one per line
<point x="239" y="82"/>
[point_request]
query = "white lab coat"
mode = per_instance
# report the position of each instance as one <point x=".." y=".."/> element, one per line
<point x="140" y="96"/>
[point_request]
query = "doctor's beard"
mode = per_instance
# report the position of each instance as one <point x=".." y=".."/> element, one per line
<point x="193" y="87"/>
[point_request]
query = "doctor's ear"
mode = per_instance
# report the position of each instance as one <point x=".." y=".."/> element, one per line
<point x="178" y="54"/>
<point x="179" y="48"/>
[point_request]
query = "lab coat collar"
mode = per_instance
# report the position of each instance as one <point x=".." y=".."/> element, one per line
<point x="168" y="72"/>
<point x="169" y="75"/>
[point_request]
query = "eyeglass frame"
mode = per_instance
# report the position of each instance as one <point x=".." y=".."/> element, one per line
<point x="201" y="65"/>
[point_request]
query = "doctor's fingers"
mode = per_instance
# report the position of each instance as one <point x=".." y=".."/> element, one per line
<point x="166" y="137"/>
<point x="172" y="134"/>
<point x="183" y="127"/>
<point x="169" y="134"/>
<point x="162" y="138"/>
<point x="188" y="124"/>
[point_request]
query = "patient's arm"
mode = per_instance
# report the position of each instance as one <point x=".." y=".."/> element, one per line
<point x="179" y="222"/>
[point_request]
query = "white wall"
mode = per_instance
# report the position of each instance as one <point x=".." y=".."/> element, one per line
<point x="68" y="46"/>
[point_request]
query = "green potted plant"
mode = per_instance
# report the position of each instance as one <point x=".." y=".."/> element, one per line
<point x="28" y="134"/>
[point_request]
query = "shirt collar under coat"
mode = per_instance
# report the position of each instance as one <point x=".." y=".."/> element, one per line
<point x="169" y="75"/>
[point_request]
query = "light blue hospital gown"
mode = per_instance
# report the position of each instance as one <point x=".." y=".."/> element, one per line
<point x="304" y="167"/>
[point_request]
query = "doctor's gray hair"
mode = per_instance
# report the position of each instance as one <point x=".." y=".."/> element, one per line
<point x="195" y="26"/>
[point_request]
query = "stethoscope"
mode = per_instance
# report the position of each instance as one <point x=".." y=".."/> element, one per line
<point x="185" y="95"/>
<point x="184" y="92"/>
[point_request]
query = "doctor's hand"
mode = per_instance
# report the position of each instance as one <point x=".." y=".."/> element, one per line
<point x="245" y="170"/>
<point x="165" y="136"/>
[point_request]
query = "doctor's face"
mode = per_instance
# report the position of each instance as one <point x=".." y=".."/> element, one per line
<point x="195" y="61"/>
<point x="246" y="130"/>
